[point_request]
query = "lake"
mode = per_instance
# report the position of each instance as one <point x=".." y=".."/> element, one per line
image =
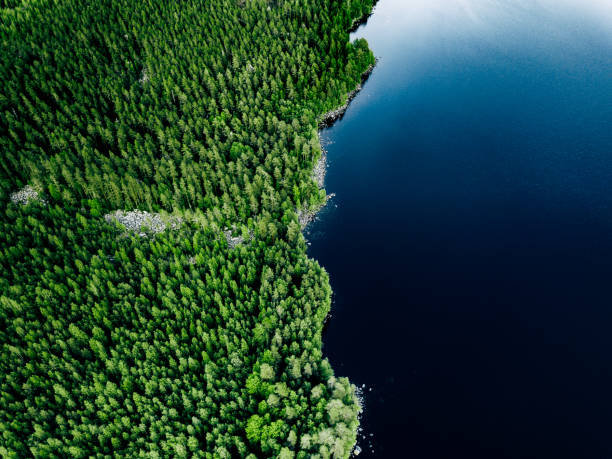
<point x="469" y="244"/>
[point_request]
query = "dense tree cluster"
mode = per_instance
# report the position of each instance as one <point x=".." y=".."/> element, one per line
<point x="171" y="344"/>
<point x="193" y="104"/>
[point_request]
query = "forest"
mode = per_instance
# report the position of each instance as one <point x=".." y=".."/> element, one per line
<point x="199" y="333"/>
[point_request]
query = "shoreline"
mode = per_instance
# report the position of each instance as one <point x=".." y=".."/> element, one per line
<point x="306" y="216"/>
<point x="319" y="170"/>
<point x="363" y="19"/>
<point x="328" y="119"/>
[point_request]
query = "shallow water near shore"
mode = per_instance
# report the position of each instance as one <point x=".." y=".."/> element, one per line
<point x="470" y="252"/>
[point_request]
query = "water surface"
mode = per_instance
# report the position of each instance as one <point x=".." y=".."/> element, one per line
<point x="470" y="251"/>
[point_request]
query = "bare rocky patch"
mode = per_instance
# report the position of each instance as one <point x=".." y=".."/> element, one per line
<point x="26" y="195"/>
<point x="144" y="77"/>
<point x="142" y="222"/>
<point x="235" y="241"/>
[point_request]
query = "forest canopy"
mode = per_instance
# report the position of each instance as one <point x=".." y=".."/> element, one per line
<point x="201" y="336"/>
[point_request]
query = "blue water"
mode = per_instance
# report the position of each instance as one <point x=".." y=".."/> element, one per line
<point x="469" y="244"/>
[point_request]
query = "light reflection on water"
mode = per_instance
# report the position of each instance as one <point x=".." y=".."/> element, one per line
<point x="496" y="17"/>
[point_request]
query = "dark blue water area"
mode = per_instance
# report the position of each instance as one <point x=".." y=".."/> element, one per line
<point x="469" y="244"/>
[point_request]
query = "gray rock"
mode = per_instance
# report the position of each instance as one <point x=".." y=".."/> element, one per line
<point x="318" y="172"/>
<point x="137" y="220"/>
<point x="235" y="241"/>
<point x="26" y="195"/>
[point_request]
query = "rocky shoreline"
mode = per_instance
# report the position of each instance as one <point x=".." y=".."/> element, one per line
<point x="143" y="222"/>
<point x="329" y="118"/>
<point x="363" y="19"/>
<point x="320" y="168"/>
<point x="307" y="216"/>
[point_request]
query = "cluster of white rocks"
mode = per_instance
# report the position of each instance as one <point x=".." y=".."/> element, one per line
<point x="139" y="220"/>
<point x="144" y="78"/>
<point x="25" y="195"/>
<point x="306" y="216"/>
<point x="320" y="168"/>
<point x="361" y="435"/>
